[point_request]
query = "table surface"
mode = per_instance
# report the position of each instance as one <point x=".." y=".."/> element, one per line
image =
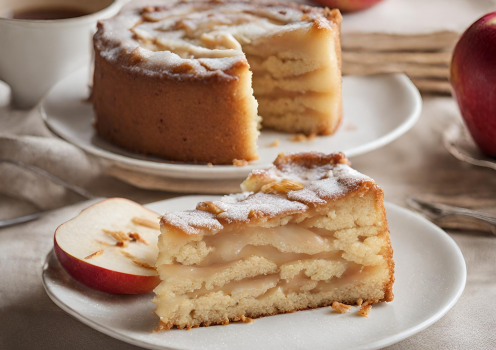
<point x="417" y="163"/>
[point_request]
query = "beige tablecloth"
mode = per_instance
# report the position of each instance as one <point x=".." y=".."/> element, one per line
<point x="416" y="163"/>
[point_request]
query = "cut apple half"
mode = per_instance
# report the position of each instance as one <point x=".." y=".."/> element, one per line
<point x="111" y="246"/>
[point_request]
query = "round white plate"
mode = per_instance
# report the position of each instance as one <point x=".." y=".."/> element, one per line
<point x="430" y="277"/>
<point x="377" y="110"/>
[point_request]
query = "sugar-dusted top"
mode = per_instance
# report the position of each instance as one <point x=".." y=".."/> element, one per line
<point x="197" y="38"/>
<point x="293" y="185"/>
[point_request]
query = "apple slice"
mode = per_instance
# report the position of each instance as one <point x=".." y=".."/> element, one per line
<point x="111" y="247"/>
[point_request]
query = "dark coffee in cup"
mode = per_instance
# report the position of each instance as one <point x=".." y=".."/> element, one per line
<point x="48" y="13"/>
<point x="41" y="41"/>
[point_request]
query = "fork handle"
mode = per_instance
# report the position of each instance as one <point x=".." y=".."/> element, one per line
<point x="470" y="214"/>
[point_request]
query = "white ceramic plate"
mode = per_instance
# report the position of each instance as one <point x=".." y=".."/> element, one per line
<point x="377" y="110"/>
<point x="430" y="277"/>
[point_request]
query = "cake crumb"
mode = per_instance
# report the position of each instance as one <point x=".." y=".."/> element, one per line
<point x="162" y="326"/>
<point x="303" y="137"/>
<point x="146" y="223"/>
<point x="144" y="264"/>
<point x="340" y="307"/>
<point x="350" y="126"/>
<point x="240" y="162"/>
<point x="210" y="165"/>
<point x="359" y="302"/>
<point x="275" y="143"/>
<point x="364" y="310"/>
<point x="137" y="237"/>
<point x="245" y="319"/>
<point x="225" y="322"/>
<point x="95" y="254"/>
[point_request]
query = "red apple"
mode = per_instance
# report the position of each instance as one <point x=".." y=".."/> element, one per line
<point x="113" y="270"/>
<point x="473" y="77"/>
<point x="348" y="5"/>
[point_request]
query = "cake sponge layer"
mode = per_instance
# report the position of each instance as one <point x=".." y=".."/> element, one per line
<point x="269" y="298"/>
<point x="314" y="233"/>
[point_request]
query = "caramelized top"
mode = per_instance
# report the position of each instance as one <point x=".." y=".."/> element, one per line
<point x="198" y="38"/>
<point x="295" y="184"/>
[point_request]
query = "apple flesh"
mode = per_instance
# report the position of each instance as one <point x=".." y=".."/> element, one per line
<point x="113" y="271"/>
<point x="473" y="77"/>
<point x="347" y="6"/>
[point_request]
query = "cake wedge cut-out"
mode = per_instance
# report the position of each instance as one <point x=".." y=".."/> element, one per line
<point x="307" y="232"/>
<point x="192" y="81"/>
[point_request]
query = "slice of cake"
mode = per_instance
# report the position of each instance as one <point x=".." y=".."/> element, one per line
<point x="308" y="232"/>
<point x="182" y="80"/>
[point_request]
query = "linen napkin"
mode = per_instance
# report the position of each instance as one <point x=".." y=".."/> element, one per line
<point x="24" y="137"/>
<point x="411" y="37"/>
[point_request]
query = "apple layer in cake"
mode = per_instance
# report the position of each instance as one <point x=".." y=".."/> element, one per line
<point x="307" y="232"/>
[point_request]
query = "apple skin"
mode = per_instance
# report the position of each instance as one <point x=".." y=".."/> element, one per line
<point x="473" y="78"/>
<point x="347" y="6"/>
<point x="102" y="279"/>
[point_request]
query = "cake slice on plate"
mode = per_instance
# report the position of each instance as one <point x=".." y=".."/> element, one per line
<point x="306" y="233"/>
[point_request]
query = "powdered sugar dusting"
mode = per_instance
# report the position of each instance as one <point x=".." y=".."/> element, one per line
<point x="339" y="180"/>
<point x="192" y="221"/>
<point x="258" y="205"/>
<point x="326" y="178"/>
<point x="302" y="167"/>
<point x="322" y="191"/>
<point x="303" y="174"/>
<point x="235" y="197"/>
<point x="196" y="38"/>
<point x="345" y="171"/>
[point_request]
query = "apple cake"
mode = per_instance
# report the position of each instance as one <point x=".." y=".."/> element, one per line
<point x="306" y="233"/>
<point x="182" y="80"/>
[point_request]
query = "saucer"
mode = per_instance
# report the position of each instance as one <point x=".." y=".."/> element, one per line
<point x="377" y="110"/>
<point x="430" y="276"/>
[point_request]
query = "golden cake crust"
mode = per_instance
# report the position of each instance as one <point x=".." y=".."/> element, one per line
<point x="167" y="118"/>
<point x="331" y="179"/>
<point x="152" y="97"/>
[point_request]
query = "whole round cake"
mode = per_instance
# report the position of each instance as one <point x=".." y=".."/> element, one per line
<point x="183" y="80"/>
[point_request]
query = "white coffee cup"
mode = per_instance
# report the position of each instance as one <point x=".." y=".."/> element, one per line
<point x="35" y="54"/>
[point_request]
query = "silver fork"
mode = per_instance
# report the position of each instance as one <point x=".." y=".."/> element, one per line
<point x="436" y="211"/>
<point x="19" y="220"/>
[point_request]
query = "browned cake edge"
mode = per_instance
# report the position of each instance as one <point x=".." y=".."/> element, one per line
<point x="166" y="118"/>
